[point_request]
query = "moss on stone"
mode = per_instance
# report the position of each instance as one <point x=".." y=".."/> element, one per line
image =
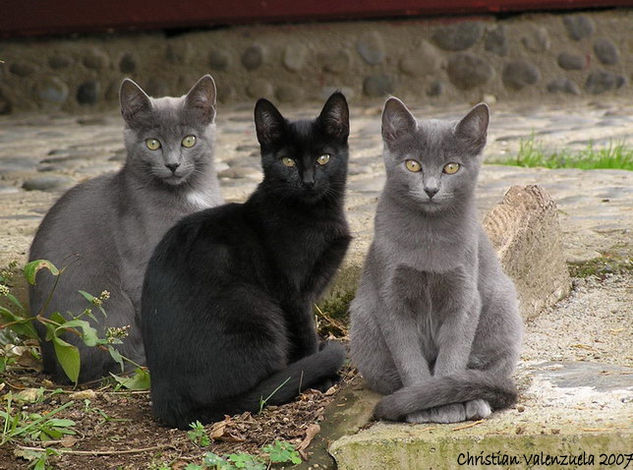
<point x="608" y="263"/>
<point x="334" y="307"/>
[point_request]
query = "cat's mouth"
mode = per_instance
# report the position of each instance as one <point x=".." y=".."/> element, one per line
<point x="175" y="180"/>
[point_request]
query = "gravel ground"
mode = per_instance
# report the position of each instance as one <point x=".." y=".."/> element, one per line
<point x="595" y="324"/>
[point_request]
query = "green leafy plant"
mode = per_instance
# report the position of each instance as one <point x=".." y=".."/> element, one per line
<point x="278" y="452"/>
<point x="18" y="424"/>
<point x="282" y="452"/>
<point x="38" y="460"/>
<point x="88" y="408"/>
<point x="247" y="462"/>
<point x="198" y="435"/>
<point x="57" y="326"/>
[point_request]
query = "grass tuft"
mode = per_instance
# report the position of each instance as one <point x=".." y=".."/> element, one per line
<point x="615" y="155"/>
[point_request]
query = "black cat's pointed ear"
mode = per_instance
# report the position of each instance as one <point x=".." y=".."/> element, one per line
<point x="269" y="123"/>
<point x="134" y="101"/>
<point x="397" y="120"/>
<point x="473" y="128"/>
<point x="334" y="116"/>
<point x="201" y="99"/>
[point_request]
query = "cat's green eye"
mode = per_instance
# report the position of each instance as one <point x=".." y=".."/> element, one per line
<point x="189" y="141"/>
<point x="451" y="168"/>
<point x="152" y="144"/>
<point x="323" y="159"/>
<point x="413" y="166"/>
<point x="288" y="161"/>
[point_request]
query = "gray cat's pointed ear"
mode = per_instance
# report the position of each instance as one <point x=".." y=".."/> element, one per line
<point x="134" y="101"/>
<point x="397" y="120"/>
<point x="473" y="128"/>
<point x="269" y="123"/>
<point x="201" y="99"/>
<point x="334" y="117"/>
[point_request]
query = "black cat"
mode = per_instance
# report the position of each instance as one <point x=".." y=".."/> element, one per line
<point x="227" y="300"/>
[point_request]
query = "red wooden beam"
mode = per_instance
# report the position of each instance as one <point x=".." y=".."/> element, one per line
<point x="45" y="17"/>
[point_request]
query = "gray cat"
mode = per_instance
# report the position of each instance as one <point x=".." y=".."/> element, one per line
<point x="104" y="230"/>
<point x="435" y="323"/>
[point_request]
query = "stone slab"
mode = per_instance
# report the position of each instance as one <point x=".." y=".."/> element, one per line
<point x="567" y="410"/>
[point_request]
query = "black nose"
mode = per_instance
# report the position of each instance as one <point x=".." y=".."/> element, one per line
<point x="431" y="192"/>
<point x="172" y="166"/>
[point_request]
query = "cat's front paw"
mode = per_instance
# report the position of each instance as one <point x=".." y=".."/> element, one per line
<point x="453" y="413"/>
<point x="477" y="409"/>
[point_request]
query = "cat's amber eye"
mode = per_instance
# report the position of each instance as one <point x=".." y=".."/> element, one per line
<point x="152" y="144"/>
<point x="451" y="168"/>
<point x="413" y="166"/>
<point x="288" y="161"/>
<point x="323" y="159"/>
<point x="189" y="141"/>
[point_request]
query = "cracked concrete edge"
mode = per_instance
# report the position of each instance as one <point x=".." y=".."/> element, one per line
<point x="422" y="448"/>
<point x="351" y="411"/>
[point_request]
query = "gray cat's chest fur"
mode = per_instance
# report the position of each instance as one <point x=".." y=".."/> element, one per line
<point x="143" y="217"/>
<point x="426" y="267"/>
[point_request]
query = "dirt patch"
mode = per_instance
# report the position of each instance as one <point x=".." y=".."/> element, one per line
<point x="115" y="429"/>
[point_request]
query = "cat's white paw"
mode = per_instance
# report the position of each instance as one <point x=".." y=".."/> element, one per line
<point x="477" y="409"/>
<point x="418" y="417"/>
<point x="454" y="413"/>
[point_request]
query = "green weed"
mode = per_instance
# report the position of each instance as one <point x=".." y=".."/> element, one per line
<point x="282" y="452"/>
<point x="279" y="452"/>
<point x="38" y="460"/>
<point x="17" y="326"/>
<point x="18" y="424"/>
<point x="263" y="401"/>
<point x="198" y="435"/>
<point x="615" y="155"/>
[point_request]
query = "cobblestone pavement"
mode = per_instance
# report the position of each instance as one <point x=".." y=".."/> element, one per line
<point x="41" y="155"/>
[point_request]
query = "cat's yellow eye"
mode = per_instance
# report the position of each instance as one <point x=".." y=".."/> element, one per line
<point x="288" y="161"/>
<point x="451" y="168"/>
<point x="413" y="166"/>
<point x="189" y="141"/>
<point x="152" y="144"/>
<point x="323" y="159"/>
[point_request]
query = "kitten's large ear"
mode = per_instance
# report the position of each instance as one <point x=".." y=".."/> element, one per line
<point x="473" y="128"/>
<point x="269" y="123"/>
<point x="397" y="120"/>
<point x="334" y="116"/>
<point x="201" y="99"/>
<point x="134" y="101"/>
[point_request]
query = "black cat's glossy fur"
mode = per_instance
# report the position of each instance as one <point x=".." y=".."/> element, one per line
<point x="228" y="294"/>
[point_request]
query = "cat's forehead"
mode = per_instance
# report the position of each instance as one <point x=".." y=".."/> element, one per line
<point x="170" y="113"/>
<point x="303" y="133"/>
<point x="431" y="136"/>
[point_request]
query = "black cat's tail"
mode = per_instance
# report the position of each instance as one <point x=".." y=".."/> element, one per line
<point x="281" y="387"/>
<point x="457" y="388"/>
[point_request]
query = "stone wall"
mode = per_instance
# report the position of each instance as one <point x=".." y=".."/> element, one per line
<point x="532" y="56"/>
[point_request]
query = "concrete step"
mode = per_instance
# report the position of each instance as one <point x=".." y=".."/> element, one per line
<point x="570" y="414"/>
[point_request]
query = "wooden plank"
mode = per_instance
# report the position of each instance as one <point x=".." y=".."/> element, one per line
<point x="40" y="17"/>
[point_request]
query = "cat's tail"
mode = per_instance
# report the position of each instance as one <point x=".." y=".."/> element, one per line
<point x="281" y="387"/>
<point x="456" y="388"/>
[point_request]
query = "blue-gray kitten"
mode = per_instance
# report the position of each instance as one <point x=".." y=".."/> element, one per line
<point x="435" y="322"/>
<point x="105" y="229"/>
